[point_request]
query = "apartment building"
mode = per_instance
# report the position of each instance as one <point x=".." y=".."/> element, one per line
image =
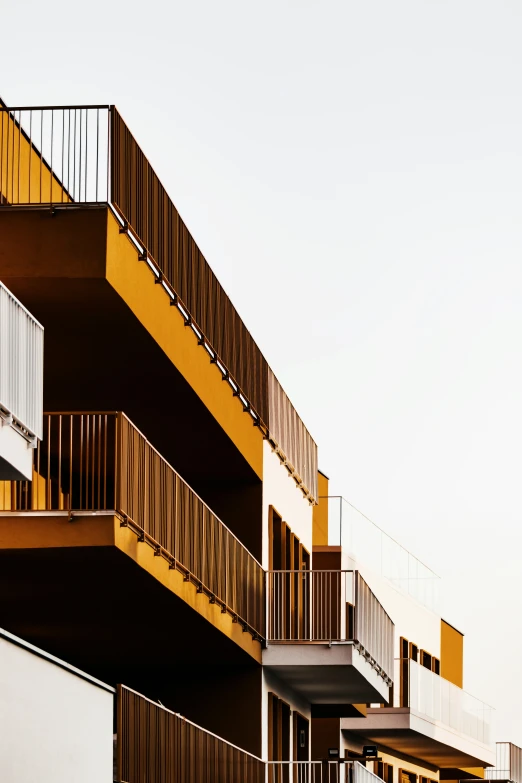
<point x="171" y="537"/>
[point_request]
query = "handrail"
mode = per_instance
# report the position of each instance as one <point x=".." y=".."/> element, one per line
<point x="102" y="462"/>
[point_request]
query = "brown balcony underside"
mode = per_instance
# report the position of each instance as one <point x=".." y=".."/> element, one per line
<point x="119" y="613"/>
<point x="99" y="356"/>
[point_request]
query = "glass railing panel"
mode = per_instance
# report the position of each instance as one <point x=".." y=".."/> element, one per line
<point x="439" y="700"/>
<point x="368" y="545"/>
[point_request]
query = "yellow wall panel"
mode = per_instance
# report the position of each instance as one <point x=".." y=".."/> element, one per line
<point x="134" y="282"/>
<point x="320" y="513"/>
<point x="451" y="654"/>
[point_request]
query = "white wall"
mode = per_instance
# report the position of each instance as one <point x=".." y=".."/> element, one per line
<point x="55" y="726"/>
<point x="272" y="683"/>
<point x="281" y="492"/>
<point x="412" y="620"/>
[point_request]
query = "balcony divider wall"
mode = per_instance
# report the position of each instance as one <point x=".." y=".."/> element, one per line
<point x="96" y="462"/>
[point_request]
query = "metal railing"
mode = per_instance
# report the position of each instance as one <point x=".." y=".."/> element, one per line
<point x="65" y="156"/>
<point x="429" y="694"/>
<point x="102" y="462"/>
<point x="508" y="765"/>
<point x="21" y="366"/>
<point x="55" y="155"/>
<point x="153" y="743"/>
<point x="329" y="606"/>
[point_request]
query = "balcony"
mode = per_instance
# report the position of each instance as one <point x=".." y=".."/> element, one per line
<point x="21" y="387"/>
<point x="328" y="637"/>
<point x="432" y="720"/>
<point x="508" y="764"/>
<point x="109" y="526"/>
<point x="370" y="546"/>
<point x="82" y="164"/>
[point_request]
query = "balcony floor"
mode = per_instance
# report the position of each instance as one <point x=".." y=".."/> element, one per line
<point x="326" y="675"/>
<point x="416" y="735"/>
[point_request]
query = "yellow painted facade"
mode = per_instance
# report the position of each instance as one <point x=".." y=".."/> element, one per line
<point x="320" y="512"/>
<point x="451" y="654"/>
<point x="134" y="282"/>
<point x="25" y="178"/>
<point x="105" y="530"/>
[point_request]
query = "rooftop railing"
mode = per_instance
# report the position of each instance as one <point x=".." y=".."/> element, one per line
<point x="370" y="546"/>
<point x="431" y="695"/>
<point x="21" y="366"/>
<point x="92" y="462"/>
<point x="329" y="606"/>
<point x="69" y="156"/>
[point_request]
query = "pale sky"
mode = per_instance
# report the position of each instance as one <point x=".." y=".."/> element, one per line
<point x="353" y="173"/>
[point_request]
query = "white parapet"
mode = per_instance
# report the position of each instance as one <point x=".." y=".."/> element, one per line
<point x="21" y="387"/>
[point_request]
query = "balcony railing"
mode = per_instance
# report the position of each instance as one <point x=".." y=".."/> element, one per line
<point x="318" y="772"/>
<point x="101" y="462"/>
<point x="329" y="606"/>
<point x="429" y="694"/>
<point x="68" y="156"/>
<point x="370" y="546"/>
<point x="21" y="366"/>
<point x="508" y="764"/>
<point x="153" y="743"/>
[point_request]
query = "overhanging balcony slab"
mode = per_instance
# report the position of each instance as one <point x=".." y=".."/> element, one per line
<point x="411" y="733"/>
<point x="324" y="674"/>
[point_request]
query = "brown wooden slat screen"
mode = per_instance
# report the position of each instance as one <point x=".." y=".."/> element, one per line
<point x="291" y="435"/>
<point x="154" y="744"/>
<point x="101" y="462"/>
<point x="141" y="200"/>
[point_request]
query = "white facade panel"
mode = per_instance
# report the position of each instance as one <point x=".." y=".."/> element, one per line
<point x="21" y="364"/>
<point x="55" y="725"/>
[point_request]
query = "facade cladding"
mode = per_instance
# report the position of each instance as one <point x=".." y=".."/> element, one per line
<point x="207" y="611"/>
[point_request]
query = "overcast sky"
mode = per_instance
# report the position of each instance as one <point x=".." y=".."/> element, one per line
<point x="352" y="171"/>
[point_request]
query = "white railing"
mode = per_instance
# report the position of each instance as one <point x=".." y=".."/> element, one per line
<point x="363" y="775"/>
<point x="318" y="772"/>
<point x="508" y="764"/>
<point x="329" y="606"/>
<point x="370" y="546"/>
<point x="429" y="694"/>
<point x="21" y="366"/>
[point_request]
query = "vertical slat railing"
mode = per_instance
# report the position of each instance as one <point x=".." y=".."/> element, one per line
<point x="156" y="744"/>
<point x="340" y="608"/>
<point x="101" y="462"/>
